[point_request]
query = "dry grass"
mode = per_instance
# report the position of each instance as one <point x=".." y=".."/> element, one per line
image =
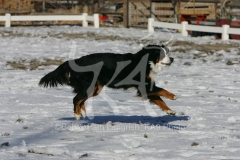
<point x="207" y="48"/>
<point x="179" y="46"/>
<point x="33" y="64"/>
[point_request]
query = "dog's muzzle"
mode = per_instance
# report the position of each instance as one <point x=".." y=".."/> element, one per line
<point x="171" y="61"/>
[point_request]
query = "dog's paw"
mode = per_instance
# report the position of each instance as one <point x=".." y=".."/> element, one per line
<point x="77" y="116"/>
<point x="171" y="96"/>
<point x="170" y="112"/>
<point x="83" y="113"/>
<point x="174" y="97"/>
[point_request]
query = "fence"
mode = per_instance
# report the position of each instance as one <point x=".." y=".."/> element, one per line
<point x="225" y="30"/>
<point x="84" y="18"/>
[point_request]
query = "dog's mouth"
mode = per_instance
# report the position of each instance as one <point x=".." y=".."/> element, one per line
<point x="169" y="63"/>
<point x="166" y="64"/>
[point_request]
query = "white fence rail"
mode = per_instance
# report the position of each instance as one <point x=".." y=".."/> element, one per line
<point x="225" y="30"/>
<point x="84" y="18"/>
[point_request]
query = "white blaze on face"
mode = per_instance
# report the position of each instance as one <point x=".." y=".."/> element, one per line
<point x="156" y="68"/>
<point x="166" y="60"/>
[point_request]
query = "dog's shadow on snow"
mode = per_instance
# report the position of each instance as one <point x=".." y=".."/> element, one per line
<point x="146" y="120"/>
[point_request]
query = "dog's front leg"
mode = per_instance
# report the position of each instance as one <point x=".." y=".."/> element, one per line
<point x="162" y="92"/>
<point x="160" y="103"/>
<point x="166" y="94"/>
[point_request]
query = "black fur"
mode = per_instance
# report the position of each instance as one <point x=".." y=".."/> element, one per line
<point x="58" y="76"/>
<point x="79" y="80"/>
<point x="137" y="65"/>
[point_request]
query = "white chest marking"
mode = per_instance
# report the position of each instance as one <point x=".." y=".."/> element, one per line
<point x="155" y="69"/>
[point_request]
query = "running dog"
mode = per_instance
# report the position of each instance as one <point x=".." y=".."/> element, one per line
<point x="88" y="74"/>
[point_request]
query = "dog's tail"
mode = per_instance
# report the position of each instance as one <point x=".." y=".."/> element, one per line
<point x="56" y="77"/>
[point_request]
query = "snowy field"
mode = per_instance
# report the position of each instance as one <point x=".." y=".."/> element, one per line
<point x="38" y="123"/>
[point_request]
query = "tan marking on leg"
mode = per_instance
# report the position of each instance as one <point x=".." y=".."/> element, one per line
<point x="77" y="112"/>
<point x="80" y="109"/>
<point x="67" y="75"/>
<point x="164" y="93"/>
<point x="83" y="110"/>
<point x="161" y="104"/>
<point x="77" y="107"/>
<point x="98" y="89"/>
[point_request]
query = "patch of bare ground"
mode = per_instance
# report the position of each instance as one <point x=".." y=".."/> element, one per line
<point x="91" y="35"/>
<point x="179" y="46"/>
<point x="33" y="64"/>
<point x="206" y="48"/>
<point x="38" y="152"/>
<point x="187" y="45"/>
<point x="13" y="34"/>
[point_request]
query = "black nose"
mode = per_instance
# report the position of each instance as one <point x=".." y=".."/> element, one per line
<point x="171" y="59"/>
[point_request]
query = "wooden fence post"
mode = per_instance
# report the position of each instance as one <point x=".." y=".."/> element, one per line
<point x="84" y="21"/>
<point x="96" y="20"/>
<point x="184" y="29"/>
<point x="150" y="26"/>
<point x="7" y="20"/>
<point x="225" y="35"/>
<point x="125" y="13"/>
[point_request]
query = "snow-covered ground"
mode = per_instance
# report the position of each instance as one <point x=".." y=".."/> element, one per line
<point x="38" y="123"/>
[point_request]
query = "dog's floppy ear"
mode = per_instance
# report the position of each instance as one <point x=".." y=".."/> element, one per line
<point x="165" y="48"/>
<point x="162" y="54"/>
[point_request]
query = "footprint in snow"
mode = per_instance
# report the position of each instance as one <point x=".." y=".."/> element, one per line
<point x="131" y="143"/>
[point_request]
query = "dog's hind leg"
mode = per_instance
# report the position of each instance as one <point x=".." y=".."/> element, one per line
<point x="161" y="104"/>
<point x="96" y="91"/>
<point x="83" y="110"/>
<point x="78" y="101"/>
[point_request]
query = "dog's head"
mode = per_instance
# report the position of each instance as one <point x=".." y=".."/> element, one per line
<point x="158" y="58"/>
<point x="158" y="55"/>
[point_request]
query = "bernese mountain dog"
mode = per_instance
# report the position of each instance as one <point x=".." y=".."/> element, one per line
<point x="88" y="74"/>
